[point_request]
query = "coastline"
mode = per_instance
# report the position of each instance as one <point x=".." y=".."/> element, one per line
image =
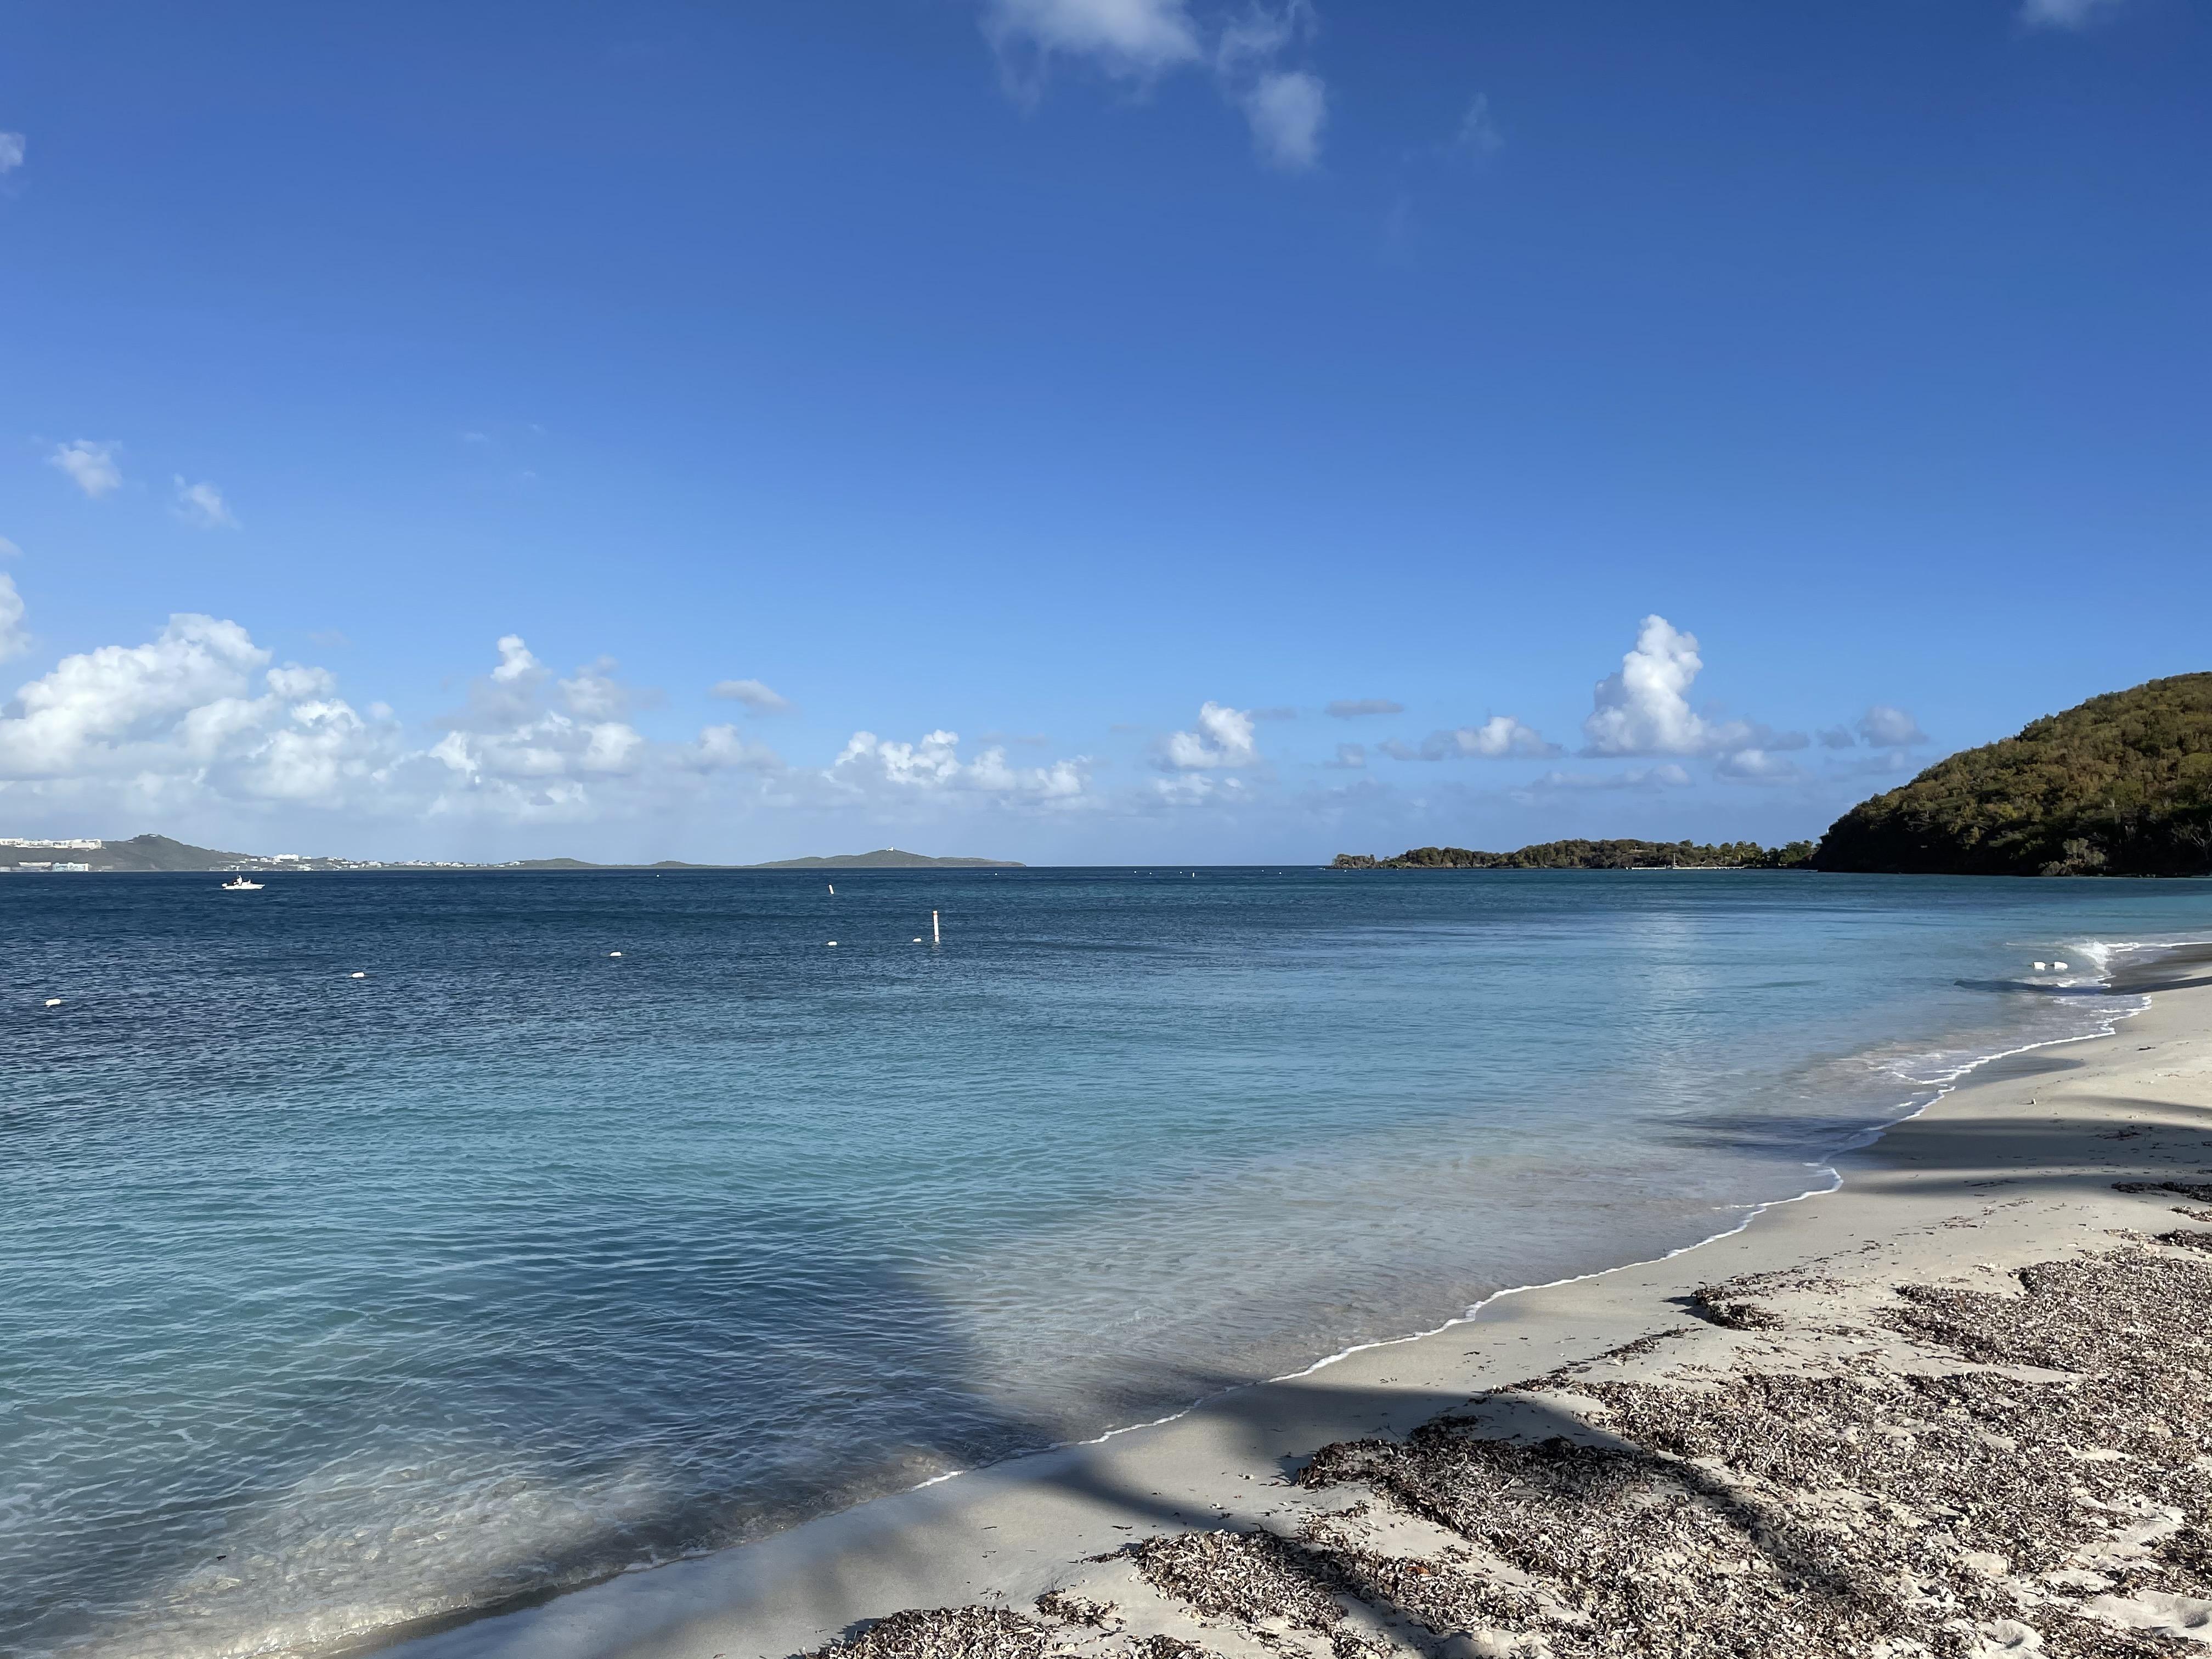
<point x="2013" y="1166"/>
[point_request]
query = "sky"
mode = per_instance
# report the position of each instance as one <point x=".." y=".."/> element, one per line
<point x="1081" y="431"/>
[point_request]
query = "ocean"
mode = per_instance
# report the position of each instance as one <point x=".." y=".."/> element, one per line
<point x="382" y="1248"/>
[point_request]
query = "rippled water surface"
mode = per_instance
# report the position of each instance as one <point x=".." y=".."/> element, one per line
<point x="333" y="1303"/>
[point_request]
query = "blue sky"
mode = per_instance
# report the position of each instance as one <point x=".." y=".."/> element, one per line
<point x="1114" y="383"/>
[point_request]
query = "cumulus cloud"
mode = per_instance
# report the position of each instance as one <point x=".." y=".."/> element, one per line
<point x="1286" y="107"/>
<point x="2065" y="14"/>
<point x="1887" y="727"/>
<point x="1837" y="737"/>
<point x="11" y="151"/>
<point x="1222" y="739"/>
<point x="751" y="693"/>
<point x="874" y="765"/>
<point x="1352" y="708"/>
<point x="15" y="638"/>
<point x="1499" y="737"/>
<point x="1349" y="757"/>
<point x="201" y="504"/>
<point x="1645" y="709"/>
<point x="90" y="466"/>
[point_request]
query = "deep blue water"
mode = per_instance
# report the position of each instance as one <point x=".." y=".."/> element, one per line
<point x="333" y="1303"/>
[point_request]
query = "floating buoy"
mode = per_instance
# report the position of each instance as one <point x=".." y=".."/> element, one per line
<point x="833" y="941"/>
<point x="2040" y="966"/>
<point x="2060" y="966"/>
<point x="917" y="938"/>
<point x="617" y="953"/>
<point x="833" y="894"/>
<point x="54" y="1002"/>
<point x="361" y="975"/>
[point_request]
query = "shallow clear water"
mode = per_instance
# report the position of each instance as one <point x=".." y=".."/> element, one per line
<point x="333" y="1304"/>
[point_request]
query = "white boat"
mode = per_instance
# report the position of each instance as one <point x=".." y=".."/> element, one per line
<point x="239" y="884"/>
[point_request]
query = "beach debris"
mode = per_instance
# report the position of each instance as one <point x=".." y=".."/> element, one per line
<point x="2199" y="1190"/>
<point x="945" y="1633"/>
<point x="1725" y="1306"/>
<point x="1247" y="1575"/>
<point x="1076" y="1610"/>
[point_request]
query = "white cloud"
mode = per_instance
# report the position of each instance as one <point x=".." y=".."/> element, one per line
<point x="1669" y="776"/>
<point x="754" y="695"/>
<point x="1224" y="739"/>
<point x="9" y="549"/>
<point x="1645" y="709"/>
<point x="1478" y="134"/>
<point x="1349" y="757"/>
<point x="1352" y="708"/>
<point x="201" y="504"/>
<point x="1757" y="766"/>
<point x="1836" y="736"/>
<point x="873" y="765"/>
<point x="91" y="466"/>
<point x="1287" y="109"/>
<point x="593" y="693"/>
<point x="1499" y="737"/>
<point x="1132" y="38"/>
<point x="15" y="638"/>
<point x="11" y="151"/>
<point x="2063" y="14"/>
<point x="1887" y="727"/>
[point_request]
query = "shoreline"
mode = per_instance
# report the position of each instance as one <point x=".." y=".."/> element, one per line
<point x="1219" y="1463"/>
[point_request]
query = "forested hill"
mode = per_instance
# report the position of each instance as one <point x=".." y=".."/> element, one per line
<point x="2120" y="786"/>
<point x="1592" y="856"/>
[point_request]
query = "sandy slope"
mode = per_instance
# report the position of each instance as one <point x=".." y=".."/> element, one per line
<point x="1962" y="1407"/>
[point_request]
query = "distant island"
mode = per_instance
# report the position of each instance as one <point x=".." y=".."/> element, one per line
<point x="2119" y="785"/>
<point x="888" y="858"/>
<point x="1595" y="855"/>
<point x="149" y="854"/>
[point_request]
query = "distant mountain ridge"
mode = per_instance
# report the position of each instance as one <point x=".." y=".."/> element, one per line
<point x="888" y="858"/>
<point x="2119" y="786"/>
<point x="149" y="854"/>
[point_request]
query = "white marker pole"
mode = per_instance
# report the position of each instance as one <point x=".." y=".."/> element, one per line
<point x="935" y="936"/>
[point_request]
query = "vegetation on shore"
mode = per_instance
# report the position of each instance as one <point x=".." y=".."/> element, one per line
<point x="1594" y="855"/>
<point x="2119" y="785"/>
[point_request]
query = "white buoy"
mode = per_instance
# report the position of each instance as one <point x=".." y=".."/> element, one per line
<point x="54" y="1002"/>
<point x="2060" y="966"/>
<point x="361" y="975"/>
<point x="936" y="937"/>
<point x="833" y="941"/>
<point x="917" y="938"/>
<point x="833" y="890"/>
<point x="617" y="953"/>
<point x="2040" y="966"/>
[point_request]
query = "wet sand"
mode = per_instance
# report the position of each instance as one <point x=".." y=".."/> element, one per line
<point x="1961" y="1406"/>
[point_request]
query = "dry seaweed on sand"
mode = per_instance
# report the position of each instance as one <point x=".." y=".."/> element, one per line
<point x="1962" y="1513"/>
<point x="1245" y="1575"/>
<point x="945" y="1633"/>
<point x="2199" y="1190"/>
<point x="1076" y="1609"/>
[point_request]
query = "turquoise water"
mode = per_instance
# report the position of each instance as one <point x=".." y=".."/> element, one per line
<point x="336" y="1304"/>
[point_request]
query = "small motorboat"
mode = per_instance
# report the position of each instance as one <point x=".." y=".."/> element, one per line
<point x="239" y="884"/>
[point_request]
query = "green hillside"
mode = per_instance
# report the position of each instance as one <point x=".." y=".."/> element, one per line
<point x="1592" y="856"/>
<point x="2121" y="786"/>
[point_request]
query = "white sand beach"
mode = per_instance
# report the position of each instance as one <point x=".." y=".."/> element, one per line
<point x="1961" y="1405"/>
